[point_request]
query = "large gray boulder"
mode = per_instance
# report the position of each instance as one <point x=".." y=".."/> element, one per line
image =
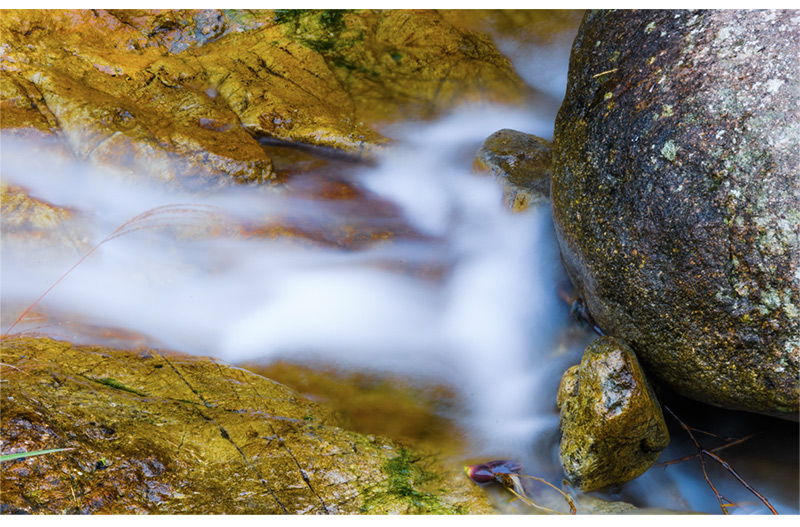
<point x="676" y="196"/>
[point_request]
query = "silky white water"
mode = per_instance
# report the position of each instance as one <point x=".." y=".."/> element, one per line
<point x="490" y="323"/>
<point x="487" y="326"/>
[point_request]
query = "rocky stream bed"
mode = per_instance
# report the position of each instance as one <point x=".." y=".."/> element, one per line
<point x="348" y="254"/>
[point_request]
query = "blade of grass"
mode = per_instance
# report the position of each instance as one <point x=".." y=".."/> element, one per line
<point x="20" y="455"/>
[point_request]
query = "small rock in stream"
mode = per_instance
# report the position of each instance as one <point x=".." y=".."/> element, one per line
<point x="523" y="165"/>
<point x="611" y="422"/>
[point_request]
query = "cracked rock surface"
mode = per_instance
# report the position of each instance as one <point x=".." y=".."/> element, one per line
<point x="189" y="95"/>
<point x="162" y="432"/>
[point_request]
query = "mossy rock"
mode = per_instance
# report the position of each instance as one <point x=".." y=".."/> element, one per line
<point x="155" y="432"/>
<point x="526" y="26"/>
<point x="676" y="197"/>
<point x="392" y="405"/>
<point x="522" y="163"/>
<point x="612" y="428"/>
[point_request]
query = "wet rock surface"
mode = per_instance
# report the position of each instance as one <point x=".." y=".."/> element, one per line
<point x="676" y="196"/>
<point x="522" y="163"/>
<point x="168" y="433"/>
<point x="188" y="95"/>
<point x="26" y="220"/>
<point x="611" y="422"/>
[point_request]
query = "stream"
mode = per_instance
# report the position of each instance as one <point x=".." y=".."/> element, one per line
<point x="406" y="265"/>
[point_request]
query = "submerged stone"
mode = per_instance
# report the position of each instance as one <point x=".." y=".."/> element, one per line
<point x="391" y="405"/>
<point x="611" y="422"/>
<point x="156" y="432"/>
<point x="676" y="197"/>
<point x="522" y="163"/>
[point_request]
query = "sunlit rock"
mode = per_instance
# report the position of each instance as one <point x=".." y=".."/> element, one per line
<point x="611" y="422"/>
<point x="394" y="406"/>
<point x="187" y="95"/>
<point x="522" y="163"/>
<point x="676" y="197"/>
<point x="532" y="26"/>
<point x="26" y="222"/>
<point x="155" y="432"/>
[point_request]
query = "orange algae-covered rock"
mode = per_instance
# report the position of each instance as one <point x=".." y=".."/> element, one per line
<point x="189" y="92"/>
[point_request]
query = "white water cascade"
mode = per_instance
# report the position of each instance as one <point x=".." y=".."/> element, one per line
<point x="487" y="325"/>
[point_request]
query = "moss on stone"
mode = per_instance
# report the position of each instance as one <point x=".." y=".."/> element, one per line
<point x="207" y="438"/>
<point x="611" y="422"/>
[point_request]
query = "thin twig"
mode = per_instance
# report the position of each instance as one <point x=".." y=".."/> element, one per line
<point x="572" y="509"/>
<point x="729" y="468"/>
<point x="604" y="73"/>
<point x="12" y="366"/>
<point x="700" y="449"/>
<point x="507" y="481"/>
<point x="703" y="451"/>
<point x="716" y="449"/>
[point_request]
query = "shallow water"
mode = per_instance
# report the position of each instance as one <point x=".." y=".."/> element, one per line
<point x="410" y="265"/>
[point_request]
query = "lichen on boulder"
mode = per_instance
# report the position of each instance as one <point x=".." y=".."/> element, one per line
<point x="676" y="197"/>
<point x="157" y="432"/>
<point x="611" y="422"/>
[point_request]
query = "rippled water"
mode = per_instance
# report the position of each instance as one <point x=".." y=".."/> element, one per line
<point x="410" y="265"/>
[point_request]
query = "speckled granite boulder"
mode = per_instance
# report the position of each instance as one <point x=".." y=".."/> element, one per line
<point x="676" y="196"/>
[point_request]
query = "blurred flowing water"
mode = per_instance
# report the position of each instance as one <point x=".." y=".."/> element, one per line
<point x="466" y="295"/>
<point x="480" y="320"/>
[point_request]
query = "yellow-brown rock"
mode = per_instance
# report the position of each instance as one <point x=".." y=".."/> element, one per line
<point x="522" y="163"/>
<point x="29" y="221"/>
<point x="532" y="26"/>
<point x="394" y="406"/>
<point x="612" y="428"/>
<point x="156" y="432"/>
<point x="185" y="95"/>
